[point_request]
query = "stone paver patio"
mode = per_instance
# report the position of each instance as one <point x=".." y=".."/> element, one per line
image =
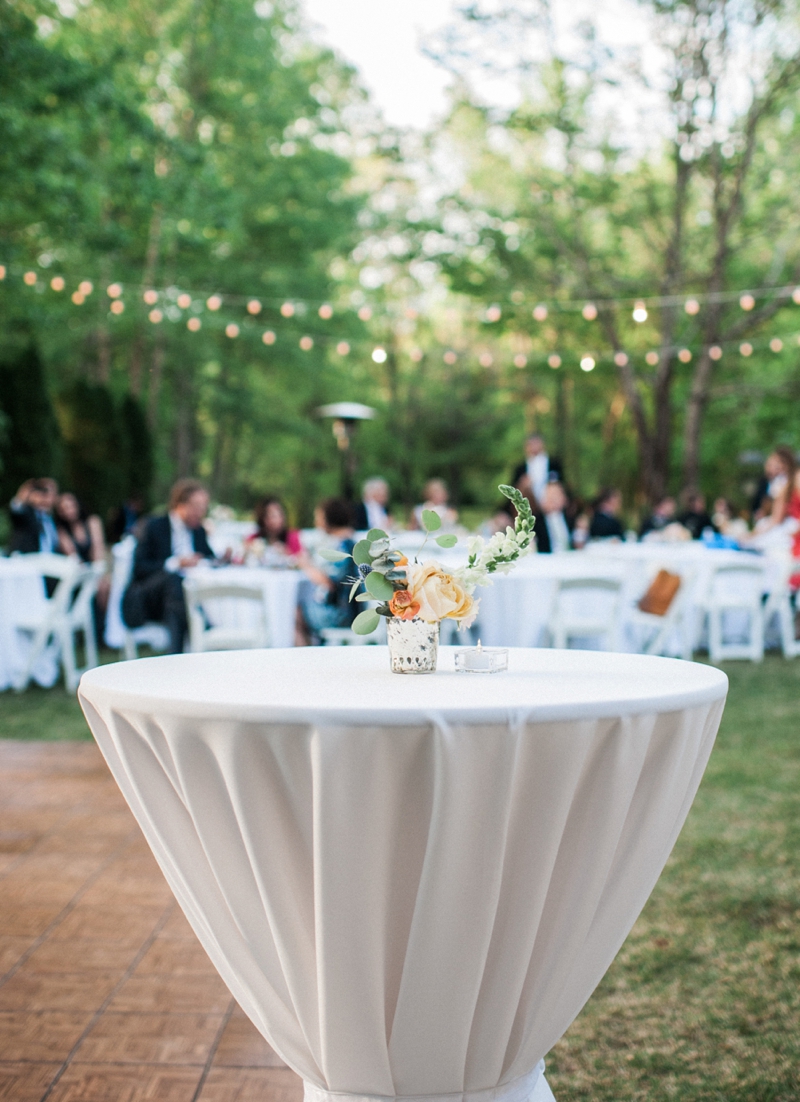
<point x="105" y="993"/>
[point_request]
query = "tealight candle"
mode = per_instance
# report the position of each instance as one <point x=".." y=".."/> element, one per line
<point x="481" y="659"/>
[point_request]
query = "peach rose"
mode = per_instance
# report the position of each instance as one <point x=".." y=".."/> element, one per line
<point x="403" y="605"/>
<point x="439" y="595"/>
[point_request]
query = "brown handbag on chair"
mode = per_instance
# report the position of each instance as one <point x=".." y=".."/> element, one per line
<point x="660" y="593"/>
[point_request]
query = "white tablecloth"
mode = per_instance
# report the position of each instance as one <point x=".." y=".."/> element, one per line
<point x="280" y="589"/>
<point x="22" y="595"/>
<point x="410" y="884"/>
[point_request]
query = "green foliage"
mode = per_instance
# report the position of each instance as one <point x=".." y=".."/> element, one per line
<point x="30" y="444"/>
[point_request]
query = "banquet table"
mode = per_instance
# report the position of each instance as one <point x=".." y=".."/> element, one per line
<point x="410" y="884"/>
<point x="22" y="595"/>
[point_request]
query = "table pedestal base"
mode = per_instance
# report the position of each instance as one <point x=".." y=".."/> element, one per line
<point x="529" y="1088"/>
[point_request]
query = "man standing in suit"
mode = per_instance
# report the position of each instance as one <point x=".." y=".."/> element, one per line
<point x="169" y="546"/>
<point x="31" y="509"/>
<point x="371" y="511"/>
<point x="538" y="466"/>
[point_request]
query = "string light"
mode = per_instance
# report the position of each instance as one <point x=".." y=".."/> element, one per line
<point x="2" y="271"/>
<point x="747" y="302"/>
<point x="184" y="301"/>
<point x="587" y="363"/>
<point x="57" y="283"/>
<point x="796" y="296"/>
<point x="114" y="290"/>
<point x="590" y="313"/>
<point x="268" y="337"/>
<point x="746" y="348"/>
<point x="449" y="357"/>
<point x="29" y="279"/>
<point x="254" y="307"/>
<point x="485" y="359"/>
<point x="365" y="313"/>
<point x="540" y="312"/>
<point x="325" y="311"/>
<point x="78" y="298"/>
<point x="684" y="356"/>
<point x="651" y="358"/>
<point x="232" y="330"/>
<point x="520" y="360"/>
<point x="691" y="306"/>
<point x="85" y="287"/>
<point x="494" y="313"/>
<point x="776" y="344"/>
<point x="640" y="312"/>
<point x="343" y="348"/>
<point x="155" y="316"/>
<point x="554" y="361"/>
<point x="150" y="297"/>
<point x="379" y="355"/>
<point x="287" y="310"/>
<point x="416" y="355"/>
<point x="214" y="302"/>
<point x="193" y="325"/>
<point x="715" y="352"/>
<point x="306" y="343"/>
<point x="620" y="359"/>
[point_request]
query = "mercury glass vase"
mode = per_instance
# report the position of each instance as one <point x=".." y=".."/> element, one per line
<point x="413" y="645"/>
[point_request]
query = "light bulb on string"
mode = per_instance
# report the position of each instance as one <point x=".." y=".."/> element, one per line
<point x="620" y="359"/>
<point x="379" y="355"/>
<point x="117" y="306"/>
<point x="155" y="316"/>
<point x="184" y="301"/>
<point x="343" y="348"/>
<point x="86" y="287"/>
<point x="587" y="363"/>
<point x="254" y="307"/>
<point x="268" y="337"/>
<point x="494" y="313"/>
<point x="150" y="297"/>
<point x="193" y="325"/>
<point x="639" y="311"/>
<point x="306" y="343"/>
<point x="114" y="290"/>
<point x="485" y="359"/>
<point x="554" y="361"/>
<point x="57" y="283"/>
<point x="325" y="311"/>
<point x="29" y="279"/>
<point x="651" y="358"/>
<point x="746" y="349"/>
<point x="692" y="307"/>
<point x="78" y="298"/>
<point x="287" y="310"/>
<point x="213" y="302"/>
<point x="449" y="357"/>
<point x="365" y="313"/>
<point x="589" y="312"/>
<point x="684" y="355"/>
<point x="715" y="352"/>
<point x="232" y="330"/>
<point x="540" y="312"/>
<point x="2" y="271"/>
<point x="747" y="302"/>
<point x="520" y="360"/>
<point x="796" y="296"/>
<point x="776" y="344"/>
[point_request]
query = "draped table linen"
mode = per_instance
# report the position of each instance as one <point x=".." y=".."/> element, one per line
<point x="410" y="884"/>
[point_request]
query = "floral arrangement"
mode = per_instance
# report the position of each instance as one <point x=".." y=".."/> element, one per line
<point x="425" y="590"/>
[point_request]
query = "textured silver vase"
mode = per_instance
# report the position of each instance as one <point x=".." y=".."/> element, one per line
<point x="413" y="645"/>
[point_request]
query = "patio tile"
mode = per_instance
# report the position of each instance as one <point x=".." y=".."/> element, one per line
<point x="252" y="1085"/>
<point x="25" y="1082"/>
<point x="76" y="991"/>
<point x="138" y="1083"/>
<point x="44" y="1036"/>
<point x="175" y="956"/>
<point x="11" y="949"/>
<point x="183" y="994"/>
<point x="81" y="955"/>
<point x="242" y="1046"/>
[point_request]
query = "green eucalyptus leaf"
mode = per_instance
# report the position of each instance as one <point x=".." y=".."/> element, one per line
<point x="377" y="534"/>
<point x="330" y="554"/>
<point x="431" y="521"/>
<point x="378" y="548"/>
<point x="354" y="588"/>
<point x="364" y="597"/>
<point x="366" y="622"/>
<point x="447" y="540"/>
<point x="361" y="553"/>
<point x="379" y="587"/>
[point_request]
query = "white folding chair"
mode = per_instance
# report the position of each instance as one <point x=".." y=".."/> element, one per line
<point x="779" y="604"/>
<point x="68" y="612"/>
<point x="117" y="633"/>
<point x="662" y="633"/>
<point x="240" y="609"/>
<point x="734" y="606"/>
<point x="586" y="608"/>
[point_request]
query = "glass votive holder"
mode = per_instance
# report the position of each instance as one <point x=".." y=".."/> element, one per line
<point x="481" y="659"/>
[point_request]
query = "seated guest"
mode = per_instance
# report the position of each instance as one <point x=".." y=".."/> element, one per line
<point x="540" y="467"/>
<point x="169" y="545"/>
<point x="126" y="518"/>
<point x="726" y="521"/>
<point x="661" y="516"/>
<point x="32" y="526"/>
<point x="78" y="534"/>
<point x="436" y="499"/>
<point x="272" y="528"/>
<point x="553" y="506"/>
<point x="605" y="523"/>
<point x="371" y="511"/>
<point x="695" y="516"/>
<point x="328" y="605"/>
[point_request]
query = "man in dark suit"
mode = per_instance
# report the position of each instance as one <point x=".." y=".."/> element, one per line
<point x="605" y="522"/>
<point x="169" y="545"/>
<point x="32" y="524"/>
<point x="540" y="467"/>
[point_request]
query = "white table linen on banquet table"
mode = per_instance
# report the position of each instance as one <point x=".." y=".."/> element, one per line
<point x="411" y="886"/>
<point x="22" y="595"/>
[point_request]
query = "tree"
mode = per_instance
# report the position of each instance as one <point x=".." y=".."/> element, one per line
<point x="30" y="446"/>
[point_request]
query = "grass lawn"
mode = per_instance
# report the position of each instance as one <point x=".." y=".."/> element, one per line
<point x="703" y="1002"/>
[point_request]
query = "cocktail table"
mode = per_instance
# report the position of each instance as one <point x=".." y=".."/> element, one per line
<point x="410" y="884"/>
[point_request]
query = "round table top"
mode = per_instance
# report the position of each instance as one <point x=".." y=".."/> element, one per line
<point x="353" y="685"/>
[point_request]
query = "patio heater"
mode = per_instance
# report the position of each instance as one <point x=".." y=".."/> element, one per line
<point x="345" y="419"/>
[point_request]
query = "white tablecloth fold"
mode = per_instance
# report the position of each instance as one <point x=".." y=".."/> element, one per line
<point x="421" y="904"/>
